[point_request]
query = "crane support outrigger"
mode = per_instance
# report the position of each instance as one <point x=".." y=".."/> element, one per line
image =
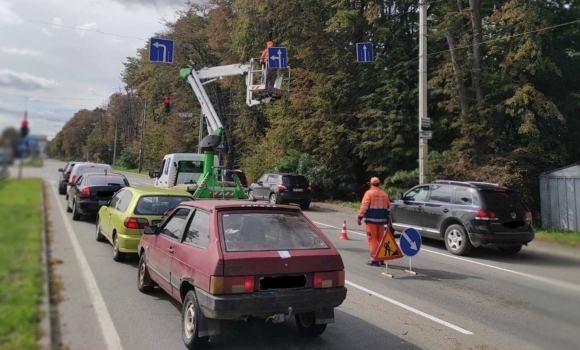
<point x="269" y="88"/>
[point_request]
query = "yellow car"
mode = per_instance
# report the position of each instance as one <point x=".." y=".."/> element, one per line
<point x="123" y="219"/>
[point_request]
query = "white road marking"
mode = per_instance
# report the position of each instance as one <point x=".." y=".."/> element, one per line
<point x="108" y="329"/>
<point x="409" y="308"/>
<point x="550" y="281"/>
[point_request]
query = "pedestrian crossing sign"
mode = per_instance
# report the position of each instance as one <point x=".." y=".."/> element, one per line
<point x="388" y="249"/>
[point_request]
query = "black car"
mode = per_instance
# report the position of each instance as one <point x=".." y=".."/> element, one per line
<point x="282" y="188"/>
<point x="93" y="190"/>
<point x="65" y="175"/>
<point x="465" y="215"/>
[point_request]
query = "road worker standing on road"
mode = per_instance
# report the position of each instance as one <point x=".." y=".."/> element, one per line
<point x="374" y="210"/>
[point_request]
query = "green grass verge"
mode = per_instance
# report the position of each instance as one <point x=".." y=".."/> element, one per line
<point x="37" y="162"/>
<point x="560" y="236"/>
<point x="354" y="205"/>
<point x="21" y="266"/>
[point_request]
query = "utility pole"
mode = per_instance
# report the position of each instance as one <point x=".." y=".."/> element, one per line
<point x="200" y="132"/>
<point x="142" y="136"/>
<point x="115" y="144"/>
<point x="423" y="119"/>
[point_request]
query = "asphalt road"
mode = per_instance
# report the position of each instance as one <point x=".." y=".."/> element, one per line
<point x="486" y="301"/>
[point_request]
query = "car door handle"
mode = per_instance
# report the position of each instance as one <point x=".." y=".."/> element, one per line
<point x="446" y="210"/>
<point x="170" y="250"/>
<point x="419" y="208"/>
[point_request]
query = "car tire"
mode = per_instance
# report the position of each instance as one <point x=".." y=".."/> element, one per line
<point x="61" y="190"/>
<point x="117" y="255"/>
<point x="68" y="208"/>
<point x="75" y="213"/>
<point x="98" y="235"/>
<point x="307" y="326"/>
<point x="190" y="314"/>
<point x="510" y="250"/>
<point x="457" y="241"/>
<point x="144" y="282"/>
<point x="304" y="205"/>
<point x="251" y="196"/>
<point x="273" y="199"/>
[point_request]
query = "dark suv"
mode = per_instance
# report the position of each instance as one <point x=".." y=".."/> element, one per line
<point x="465" y="215"/>
<point x="64" y="177"/>
<point x="281" y="188"/>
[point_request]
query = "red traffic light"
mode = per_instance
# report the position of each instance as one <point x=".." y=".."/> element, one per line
<point x="24" y="123"/>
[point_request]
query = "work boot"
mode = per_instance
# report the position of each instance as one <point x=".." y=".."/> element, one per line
<point x="373" y="263"/>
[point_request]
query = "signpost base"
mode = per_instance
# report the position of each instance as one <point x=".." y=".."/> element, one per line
<point x="386" y="273"/>
<point x="410" y="270"/>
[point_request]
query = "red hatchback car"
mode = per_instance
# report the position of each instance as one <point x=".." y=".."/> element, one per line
<point x="235" y="260"/>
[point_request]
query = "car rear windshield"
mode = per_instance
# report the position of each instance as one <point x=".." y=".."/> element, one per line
<point x="241" y="176"/>
<point x="158" y="204"/>
<point x="268" y="231"/>
<point x="107" y="180"/>
<point x="294" y="180"/>
<point x="508" y="200"/>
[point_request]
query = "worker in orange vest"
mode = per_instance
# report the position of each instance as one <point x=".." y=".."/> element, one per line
<point x="264" y="61"/>
<point x="374" y="210"/>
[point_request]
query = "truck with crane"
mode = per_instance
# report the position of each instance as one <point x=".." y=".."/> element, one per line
<point x="199" y="173"/>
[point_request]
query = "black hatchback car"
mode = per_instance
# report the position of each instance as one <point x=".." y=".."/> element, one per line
<point x="465" y="215"/>
<point x="282" y="188"/>
<point x="93" y="190"/>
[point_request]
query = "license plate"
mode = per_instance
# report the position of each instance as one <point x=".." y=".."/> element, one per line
<point x="102" y="202"/>
<point x="298" y="190"/>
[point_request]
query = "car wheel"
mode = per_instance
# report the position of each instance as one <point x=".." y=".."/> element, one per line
<point x="273" y="199"/>
<point x="510" y="250"/>
<point x="75" y="212"/>
<point x="190" y="315"/>
<point x="457" y="241"/>
<point x="251" y="196"/>
<point x="307" y="326"/>
<point x="98" y="235"/>
<point x="68" y="208"/>
<point x="144" y="282"/>
<point x="61" y="190"/>
<point x="117" y="255"/>
<point x="304" y="205"/>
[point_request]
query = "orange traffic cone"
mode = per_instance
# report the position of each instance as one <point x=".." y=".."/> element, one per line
<point x="343" y="235"/>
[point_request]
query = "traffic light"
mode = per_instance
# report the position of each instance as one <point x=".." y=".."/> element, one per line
<point x="167" y="102"/>
<point x="24" y="128"/>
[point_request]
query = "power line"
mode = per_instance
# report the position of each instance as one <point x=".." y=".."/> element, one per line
<point x="84" y="29"/>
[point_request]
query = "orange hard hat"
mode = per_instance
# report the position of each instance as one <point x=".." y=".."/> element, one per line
<point x="270" y="43"/>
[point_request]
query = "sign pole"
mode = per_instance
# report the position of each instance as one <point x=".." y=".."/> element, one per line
<point x="410" y="270"/>
<point x="386" y="273"/>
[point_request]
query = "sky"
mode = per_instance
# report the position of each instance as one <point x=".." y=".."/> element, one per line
<point x="56" y="59"/>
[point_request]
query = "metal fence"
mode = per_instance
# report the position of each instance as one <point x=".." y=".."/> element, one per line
<point x="560" y="198"/>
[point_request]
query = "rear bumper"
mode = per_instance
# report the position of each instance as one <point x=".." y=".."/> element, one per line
<point x="482" y="235"/>
<point x="265" y="304"/>
<point x="294" y="197"/>
<point x="129" y="243"/>
<point x="88" y="206"/>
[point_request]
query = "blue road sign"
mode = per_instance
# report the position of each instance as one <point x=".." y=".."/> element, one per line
<point x="364" y="52"/>
<point x="31" y="141"/>
<point x="277" y="57"/>
<point x="410" y="242"/>
<point x="161" y="50"/>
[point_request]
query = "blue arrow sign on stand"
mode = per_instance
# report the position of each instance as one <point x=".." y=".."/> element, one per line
<point x="161" y="50"/>
<point x="277" y="57"/>
<point x="364" y="52"/>
<point x="410" y="242"/>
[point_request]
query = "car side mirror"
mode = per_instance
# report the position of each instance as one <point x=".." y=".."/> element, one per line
<point x="400" y="196"/>
<point x="151" y="230"/>
<point x="60" y="170"/>
<point x="259" y="182"/>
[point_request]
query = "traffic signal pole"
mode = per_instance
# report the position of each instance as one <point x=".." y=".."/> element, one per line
<point x="423" y="148"/>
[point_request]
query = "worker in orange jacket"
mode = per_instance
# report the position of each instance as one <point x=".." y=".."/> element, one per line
<point x="374" y="210"/>
<point x="264" y="61"/>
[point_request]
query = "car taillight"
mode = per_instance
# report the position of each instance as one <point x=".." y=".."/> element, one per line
<point x="528" y="216"/>
<point x="136" y="223"/>
<point x="328" y="279"/>
<point x="282" y="188"/>
<point x="72" y="180"/>
<point x="309" y="189"/>
<point x="85" y="193"/>
<point x="484" y="215"/>
<point x="231" y="285"/>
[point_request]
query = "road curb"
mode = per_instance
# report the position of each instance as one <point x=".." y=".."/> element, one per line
<point x="45" y="341"/>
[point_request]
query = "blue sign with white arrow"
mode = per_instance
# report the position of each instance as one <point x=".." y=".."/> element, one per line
<point x="161" y="50"/>
<point x="277" y="57"/>
<point x="364" y="52"/>
<point x="410" y="242"/>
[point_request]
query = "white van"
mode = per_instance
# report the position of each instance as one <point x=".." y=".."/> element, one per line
<point x="179" y="168"/>
<point x="87" y="167"/>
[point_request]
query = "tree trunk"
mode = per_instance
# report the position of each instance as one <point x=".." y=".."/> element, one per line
<point x="477" y="60"/>
<point x="464" y="102"/>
